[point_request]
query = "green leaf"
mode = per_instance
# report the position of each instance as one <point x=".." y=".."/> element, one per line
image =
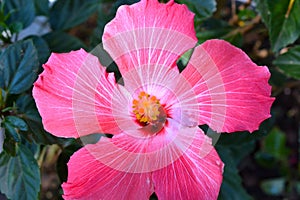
<point x="231" y="188"/>
<point x="13" y="125"/>
<point x="184" y="59"/>
<point x="289" y="62"/>
<point x="15" y="27"/>
<point x="246" y="14"/>
<point x="2" y="99"/>
<point x="275" y="144"/>
<point x="274" y="186"/>
<point x="10" y="146"/>
<point x="10" y="129"/>
<point x="20" y="175"/>
<point x="214" y="28"/>
<point x="1" y="137"/>
<point x="202" y="8"/>
<point x="62" y="42"/>
<point x="21" y="11"/>
<point x="16" y="122"/>
<point x="239" y="138"/>
<point x="240" y="143"/>
<point x="282" y="20"/>
<point x="232" y="148"/>
<point x="42" y="7"/>
<point x="66" y="14"/>
<point x="277" y="79"/>
<point x="273" y="151"/>
<point x="18" y="67"/>
<point x="42" y="48"/>
<point x="119" y="3"/>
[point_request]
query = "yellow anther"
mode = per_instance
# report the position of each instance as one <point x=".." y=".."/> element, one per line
<point x="142" y="94"/>
<point x="141" y="111"/>
<point x="146" y="107"/>
<point x="135" y="102"/>
<point x="153" y="98"/>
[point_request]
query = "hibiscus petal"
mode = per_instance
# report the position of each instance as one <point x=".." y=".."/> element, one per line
<point x="123" y="167"/>
<point x="149" y="32"/>
<point x="233" y="92"/>
<point x="197" y="174"/>
<point x="88" y="178"/>
<point x="74" y="95"/>
<point x="143" y="153"/>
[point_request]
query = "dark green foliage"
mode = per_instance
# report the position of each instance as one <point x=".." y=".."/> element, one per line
<point x="21" y="11"/>
<point x="232" y="148"/>
<point x="20" y="175"/>
<point x="66" y="14"/>
<point x="42" y="49"/>
<point x="18" y="67"/>
<point x="231" y="188"/>
<point x="282" y="19"/>
<point x="289" y="62"/>
<point x="213" y="28"/>
<point x="62" y="42"/>
<point x="41" y="7"/>
<point x="12" y="124"/>
<point x="202" y="8"/>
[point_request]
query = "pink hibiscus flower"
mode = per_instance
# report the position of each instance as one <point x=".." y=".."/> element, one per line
<point x="154" y="116"/>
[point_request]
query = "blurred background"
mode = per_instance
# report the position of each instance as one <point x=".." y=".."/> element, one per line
<point x="262" y="165"/>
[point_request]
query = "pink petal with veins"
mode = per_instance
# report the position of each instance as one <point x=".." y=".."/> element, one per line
<point x="177" y="162"/>
<point x="73" y="95"/>
<point x="233" y="92"/>
<point x="149" y="32"/>
<point x="90" y="179"/>
<point x="197" y="174"/>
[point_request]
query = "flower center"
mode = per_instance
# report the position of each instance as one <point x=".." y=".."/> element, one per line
<point x="146" y="108"/>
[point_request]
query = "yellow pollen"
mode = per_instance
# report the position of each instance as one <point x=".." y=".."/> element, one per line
<point x="141" y="111"/>
<point x="146" y="107"/>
